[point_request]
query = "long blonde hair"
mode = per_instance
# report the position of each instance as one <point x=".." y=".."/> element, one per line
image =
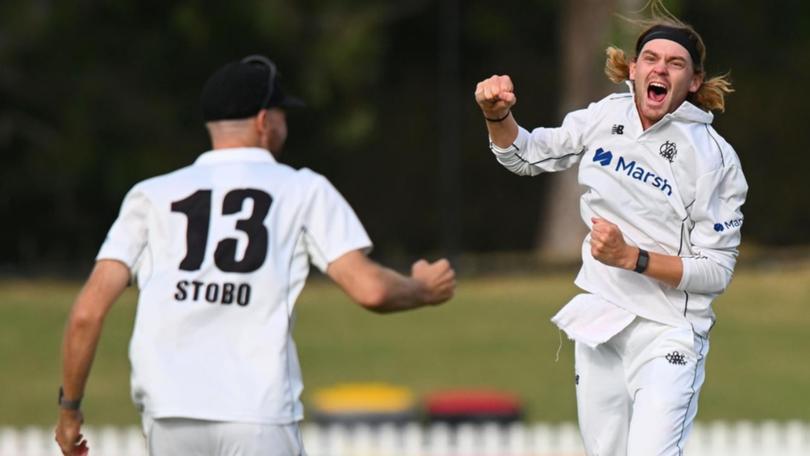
<point x="711" y="94"/>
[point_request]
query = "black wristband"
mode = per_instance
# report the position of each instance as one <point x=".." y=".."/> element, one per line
<point x="500" y="119"/>
<point x="66" y="404"/>
<point x="642" y="262"/>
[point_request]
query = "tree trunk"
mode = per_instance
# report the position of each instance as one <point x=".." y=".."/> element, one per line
<point x="584" y="35"/>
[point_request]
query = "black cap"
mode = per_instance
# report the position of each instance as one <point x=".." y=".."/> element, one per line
<point x="241" y="89"/>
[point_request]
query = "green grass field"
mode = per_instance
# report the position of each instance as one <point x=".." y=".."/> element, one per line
<point x="495" y="333"/>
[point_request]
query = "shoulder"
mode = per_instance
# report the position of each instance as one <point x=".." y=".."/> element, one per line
<point x="156" y="182"/>
<point x="712" y="151"/>
<point x="613" y="103"/>
<point x="312" y="184"/>
<point x="310" y="177"/>
<point x="615" y="99"/>
<point x="618" y="97"/>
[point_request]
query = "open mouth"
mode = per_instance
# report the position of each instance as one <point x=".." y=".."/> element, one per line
<point x="657" y="92"/>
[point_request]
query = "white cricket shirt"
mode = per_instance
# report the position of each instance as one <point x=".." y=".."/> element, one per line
<point x="222" y="249"/>
<point x="676" y="188"/>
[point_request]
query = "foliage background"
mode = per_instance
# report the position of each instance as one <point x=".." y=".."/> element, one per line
<point x="95" y="96"/>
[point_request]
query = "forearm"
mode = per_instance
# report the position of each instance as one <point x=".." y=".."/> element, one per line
<point x="383" y="290"/>
<point x="105" y="284"/>
<point x="697" y="275"/>
<point x="78" y="350"/>
<point x="705" y="275"/>
<point x="396" y="292"/>
<point x="665" y="268"/>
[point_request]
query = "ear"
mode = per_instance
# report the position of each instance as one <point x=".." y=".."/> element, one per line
<point x="261" y="120"/>
<point x="696" y="82"/>
<point x="632" y="66"/>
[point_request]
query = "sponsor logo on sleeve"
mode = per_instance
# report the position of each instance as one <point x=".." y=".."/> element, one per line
<point x="731" y="224"/>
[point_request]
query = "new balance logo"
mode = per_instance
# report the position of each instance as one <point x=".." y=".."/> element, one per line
<point x="617" y="130"/>
<point x="602" y="156"/>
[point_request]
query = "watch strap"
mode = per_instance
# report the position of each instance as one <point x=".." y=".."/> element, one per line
<point x="642" y="262"/>
<point x="68" y="404"/>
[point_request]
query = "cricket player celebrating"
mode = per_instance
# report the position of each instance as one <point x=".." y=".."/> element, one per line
<point x="222" y="250"/>
<point x="662" y="199"/>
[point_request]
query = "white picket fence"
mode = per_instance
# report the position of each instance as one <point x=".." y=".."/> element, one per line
<point x="707" y="439"/>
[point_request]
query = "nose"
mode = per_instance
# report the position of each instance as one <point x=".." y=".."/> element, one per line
<point x="660" y="67"/>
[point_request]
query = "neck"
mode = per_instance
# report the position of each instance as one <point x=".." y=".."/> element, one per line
<point x="227" y="134"/>
<point x="231" y="143"/>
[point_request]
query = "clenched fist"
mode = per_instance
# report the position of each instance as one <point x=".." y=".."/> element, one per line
<point x="608" y="245"/>
<point x="495" y="96"/>
<point x="438" y="279"/>
<point x="68" y="433"/>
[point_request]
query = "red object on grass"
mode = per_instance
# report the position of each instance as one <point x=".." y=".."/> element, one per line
<point x="473" y="404"/>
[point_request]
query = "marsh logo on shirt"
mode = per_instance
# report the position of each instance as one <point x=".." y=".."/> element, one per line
<point x="604" y="157"/>
<point x="733" y="223"/>
<point x="632" y="170"/>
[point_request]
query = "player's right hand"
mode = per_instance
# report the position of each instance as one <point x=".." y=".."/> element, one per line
<point x="68" y="433"/>
<point x="495" y="96"/>
<point x="438" y="279"/>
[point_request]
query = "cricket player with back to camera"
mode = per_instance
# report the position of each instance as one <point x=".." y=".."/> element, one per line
<point x="224" y="247"/>
<point x="662" y="198"/>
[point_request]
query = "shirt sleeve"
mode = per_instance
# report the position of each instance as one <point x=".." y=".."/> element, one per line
<point x="331" y="227"/>
<point x="547" y="149"/>
<point x="128" y="235"/>
<point x="718" y="217"/>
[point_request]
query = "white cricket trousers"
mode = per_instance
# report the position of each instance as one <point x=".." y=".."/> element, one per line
<point x="637" y="393"/>
<point x="189" y="437"/>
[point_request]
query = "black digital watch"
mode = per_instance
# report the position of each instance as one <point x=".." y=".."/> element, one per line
<point x="642" y="262"/>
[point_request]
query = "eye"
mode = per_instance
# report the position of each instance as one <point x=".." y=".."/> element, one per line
<point x="679" y="64"/>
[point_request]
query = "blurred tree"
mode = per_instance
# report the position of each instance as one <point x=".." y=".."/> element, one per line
<point x="765" y="48"/>
<point x="95" y="96"/>
<point x="584" y="28"/>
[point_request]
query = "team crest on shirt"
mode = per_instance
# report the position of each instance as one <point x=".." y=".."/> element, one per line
<point x="668" y="150"/>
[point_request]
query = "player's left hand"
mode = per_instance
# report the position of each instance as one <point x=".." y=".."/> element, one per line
<point x="68" y="433"/>
<point x="608" y="245"/>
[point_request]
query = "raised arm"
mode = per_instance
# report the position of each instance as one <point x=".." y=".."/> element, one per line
<point x="383" y="290"/>
<point x="529" y="153"/>
<point x="496" y="96"/>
